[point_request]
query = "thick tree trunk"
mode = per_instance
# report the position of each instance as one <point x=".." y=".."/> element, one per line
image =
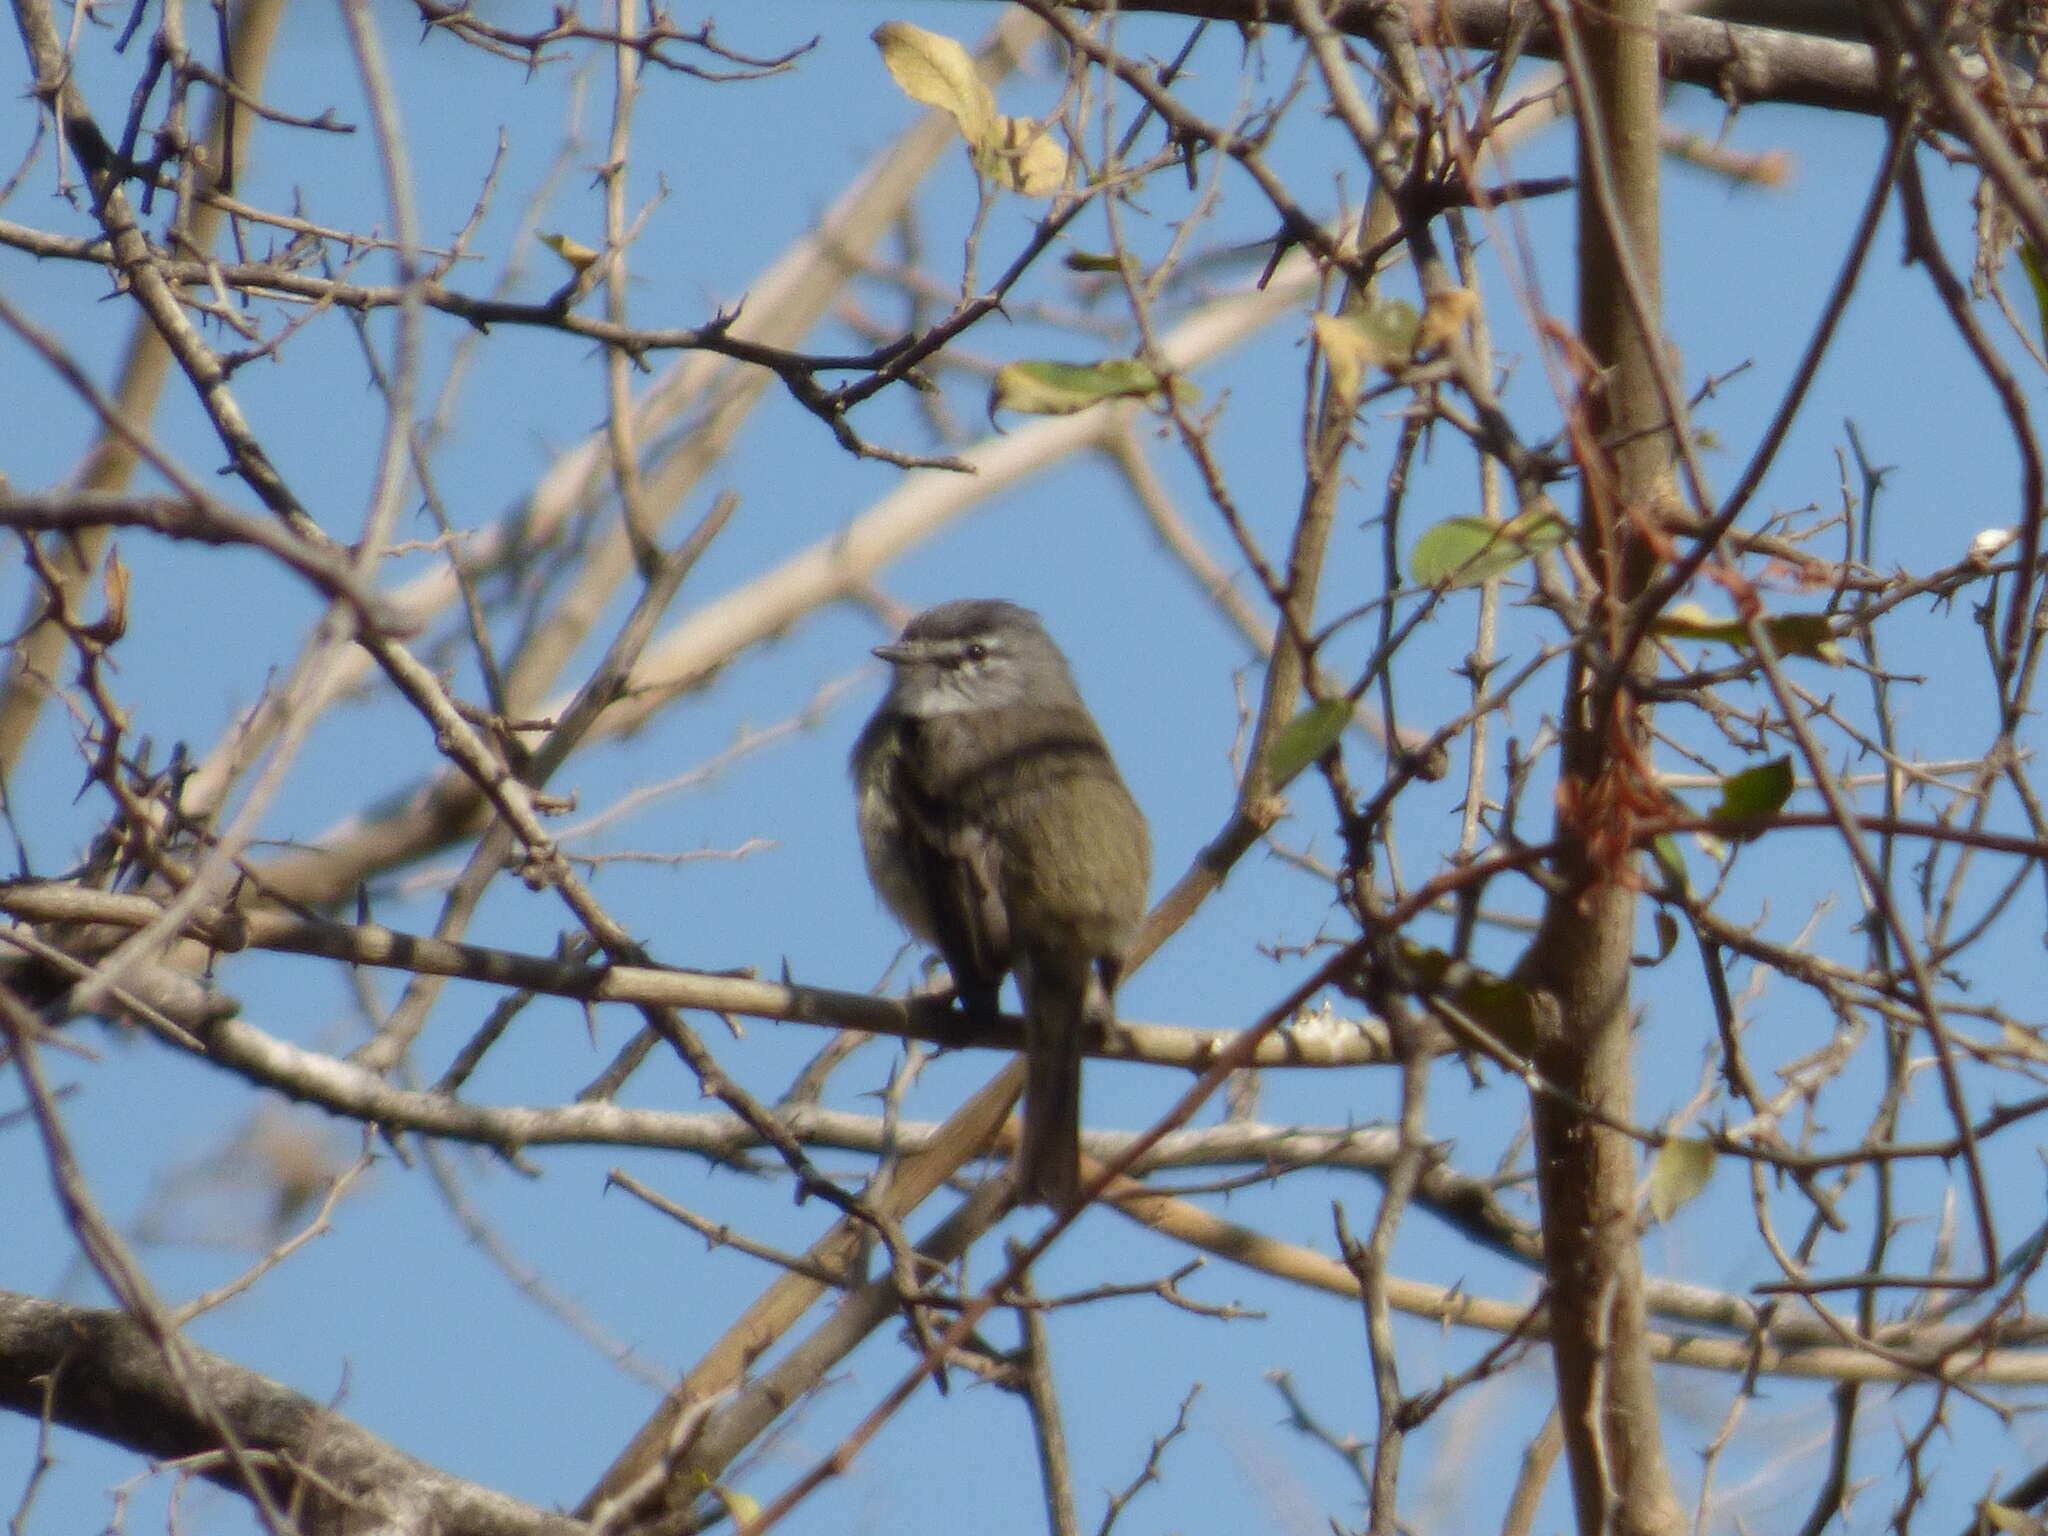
<point x="1581" y="960"/>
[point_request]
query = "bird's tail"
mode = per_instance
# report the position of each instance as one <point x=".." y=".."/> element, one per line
<point x="1056" y="995"/>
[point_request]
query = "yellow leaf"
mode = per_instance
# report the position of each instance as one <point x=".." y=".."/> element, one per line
<point x="2010" y="1521"/>
<point x="2024" y="1042"/>
<point x="1347" y="353"/>
<point x="1380" y="334"/>
<point x="112" y="624"/>
<point x="937" y="71"/>
<point x="114" y="583"/>
<point x="581" y="257"/>
<point x="1678" y="1173"/>
<point x="1444" y="316"/>
<point x="741" y="1508"/>
<point x="1023" y="156"/>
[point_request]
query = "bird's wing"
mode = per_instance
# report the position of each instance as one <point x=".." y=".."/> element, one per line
<point x="958" y="865"/>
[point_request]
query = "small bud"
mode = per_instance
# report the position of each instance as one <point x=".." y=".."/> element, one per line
<point x="1991" y="541"/>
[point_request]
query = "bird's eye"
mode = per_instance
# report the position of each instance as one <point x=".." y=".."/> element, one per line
<point x="976" y="651"/>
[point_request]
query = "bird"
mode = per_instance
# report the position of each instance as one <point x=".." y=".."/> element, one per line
<point x="996" y="827"/>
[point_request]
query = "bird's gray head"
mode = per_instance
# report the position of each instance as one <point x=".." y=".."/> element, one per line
<point x="975" y="653"/>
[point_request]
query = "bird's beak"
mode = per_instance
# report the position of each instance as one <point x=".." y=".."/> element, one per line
<point x="895" y="654"/>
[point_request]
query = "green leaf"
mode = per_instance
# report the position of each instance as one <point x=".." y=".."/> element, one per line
<point x="1060" y="389"/>
<point x="1664" y="849"/>
<point x="1759" y="791"/>
<point x="1464" y="551"/>
<point x="1391" y="325"/>
<point x="1501" y="1007"/>
<point x="1792" y="634"/>
<point x="1305" y="738"/>
<point x="1678" y="1173"/>
<point x="1689" y="621"/>
<point x="1667" y="930"/>
<point x="2037" y="279"/>
<point x="1366" y="336"/>
<point x="1805" y="634"/>
<point x="1091" y="261"/>
<point x="1497" y="1005"/>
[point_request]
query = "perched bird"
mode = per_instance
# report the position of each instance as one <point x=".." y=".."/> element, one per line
<point x="997" y="829"/>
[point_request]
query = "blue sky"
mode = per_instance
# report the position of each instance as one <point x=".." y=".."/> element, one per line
<point x="401" y="1321"/>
